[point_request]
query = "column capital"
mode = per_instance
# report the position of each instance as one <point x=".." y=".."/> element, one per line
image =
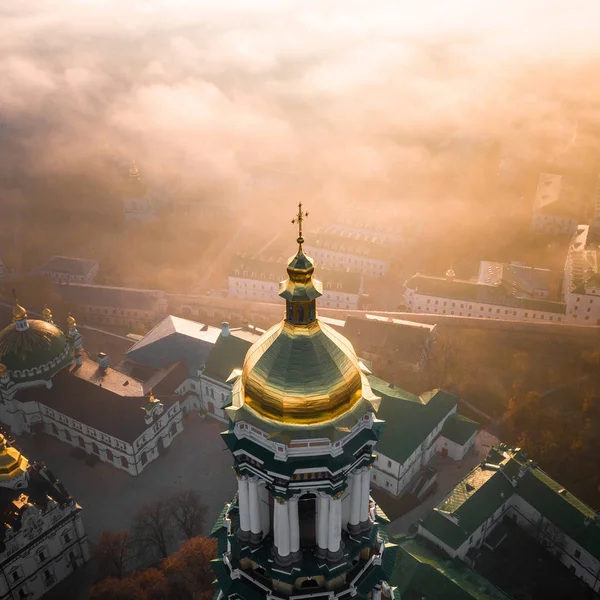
<point x="280" y="500"/>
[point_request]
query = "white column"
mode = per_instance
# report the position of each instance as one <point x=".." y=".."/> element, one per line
<point x="364" y="500"/>
<point x="377" y="593"/>
<point x="283" y="528"/>
<point x="243" y="503"/>
<point x="294" y="525"/>
<point x="335" y="524"/>
<point x="323" y="525"/>
<point x="254" y="507"/>
<point x="355" y="498"/>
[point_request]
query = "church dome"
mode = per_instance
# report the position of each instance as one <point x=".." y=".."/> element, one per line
<point x="38" y="349"/>
<point x="301" y="373"/>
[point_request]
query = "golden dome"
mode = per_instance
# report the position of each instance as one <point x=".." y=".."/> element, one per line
<point x="71" y="322"/>
<point x="3" y="369"/>
<point x="18" y="312"/>
<point x="301" y="374"/>
<point x="134" y="171"/>
<point x="46" y="313"/>
<point x="12" y="462"/>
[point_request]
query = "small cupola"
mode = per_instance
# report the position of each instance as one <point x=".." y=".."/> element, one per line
<point x="19" y="315"/>
<point x="300" y="291"/>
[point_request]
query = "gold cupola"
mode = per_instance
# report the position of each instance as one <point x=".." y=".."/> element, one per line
<point x="301" y="371"/>
<point x="46" y="313"/>
<point x="12" y="463"/>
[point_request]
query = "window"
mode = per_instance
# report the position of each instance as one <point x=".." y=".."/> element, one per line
<point x="436" y="302"/>
<point x="42" y="555"/>
<point x="16" y="575"/>
<point x="577" y="553"/>
<point x="66" y="536"/>
<point x="390" y="464"/>
<point x="526" y="315"/>
<point x="124" y="463"/>
<point x="109" y="455"/>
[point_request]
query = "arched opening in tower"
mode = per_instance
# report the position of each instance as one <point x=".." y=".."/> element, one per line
<point x="307" y="517"/>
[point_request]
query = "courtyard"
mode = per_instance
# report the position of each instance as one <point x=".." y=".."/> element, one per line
<point x="197" y="459"/>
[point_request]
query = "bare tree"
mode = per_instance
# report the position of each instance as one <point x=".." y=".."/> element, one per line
<point x="188" y="513"/>
<point x="441" y="363"/>
<point x="113" y="551"/>
<point x="153" y="528"/>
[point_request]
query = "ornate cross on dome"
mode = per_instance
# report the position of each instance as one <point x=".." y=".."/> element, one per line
<point x="299" y="219"/>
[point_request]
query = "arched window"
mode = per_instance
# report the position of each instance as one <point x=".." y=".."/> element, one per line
<point x="53" y="429"/>
<point x="144" y="458"/>
<point x="109" y="455"/>
<point x="124" y="462"/>
<point x="81" y="441"/>
<point x="95" y="448"/>
<point x="67" y="435"/>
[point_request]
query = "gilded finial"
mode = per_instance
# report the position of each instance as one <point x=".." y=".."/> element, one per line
<point x="133" y="171"/>
<point x="46" y="312"/>
<point x="299" y="218"/>
<point x="71" y="322"/>
<point x="18" y="312"/>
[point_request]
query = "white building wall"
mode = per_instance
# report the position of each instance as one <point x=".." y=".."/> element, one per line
<point x="263" y="290"/>
<point x="214" y="396"/>
<point x="455" y="451"/>
<point x="420" y="303"/>
<point x="346" y="260"/>
<point x="32" y="568"/>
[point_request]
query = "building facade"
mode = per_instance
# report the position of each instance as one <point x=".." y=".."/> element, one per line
<point x="42" y="540"/>
<point x="351" y="251"/>
<point x="254" y="279"/>
<point x="65" y="269"/>
<point x="509" y="292"/>
<point x="111" y="305"/>
<point x="555" y="207"/>
<point x="302" y="430"/>
<point x="49" y="384"/>
<point x="418" y="427"/>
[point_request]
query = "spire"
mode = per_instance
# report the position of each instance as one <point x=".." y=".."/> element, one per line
<point x="19" y="315"/>
<point x="134" y="174"/>
<point x="300" y="291"/>
<point x="298" y="219"/>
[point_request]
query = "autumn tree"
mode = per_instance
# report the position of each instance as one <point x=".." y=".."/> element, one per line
<point x="189" y="569"/>
<point x="148" y="584"/>
<point x="153" y="528"/>
<point x="187" y="512"/>
<point x="112" y="552"/>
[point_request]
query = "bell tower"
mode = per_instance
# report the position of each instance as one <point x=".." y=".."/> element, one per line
<point x="302" y="430"/>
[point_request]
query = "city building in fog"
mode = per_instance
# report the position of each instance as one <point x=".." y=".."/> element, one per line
<point x="347" y="250"/>
<point x="138" y="205"/>
<point x="66" y="269"/>
<point x="42" y="539"/>
<point x="501" y="291"/>
<point x="256" y="279"/>
<point x="48" y="384"/>
<point x="556" y="207"/>
<point x="112" y="305"/>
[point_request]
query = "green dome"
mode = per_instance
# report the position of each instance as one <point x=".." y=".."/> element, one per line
<point x="36" y="353"/>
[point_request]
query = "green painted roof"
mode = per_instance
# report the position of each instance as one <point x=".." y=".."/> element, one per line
<point x="422" y="571"/>
<point x="489" y="486"/>
<point x="227" y="354"/>
<point x="472" y="291"/>
<point x="409" y="419"/>
<point x="459" y="429"/>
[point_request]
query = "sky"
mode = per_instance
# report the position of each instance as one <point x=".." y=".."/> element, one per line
<point x="349" y="95"/>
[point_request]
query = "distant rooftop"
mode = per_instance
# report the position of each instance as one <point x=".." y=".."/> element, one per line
<point x="484" y="490"/>
<point x="110" y="296"/>
<point x="69" y="265"/>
